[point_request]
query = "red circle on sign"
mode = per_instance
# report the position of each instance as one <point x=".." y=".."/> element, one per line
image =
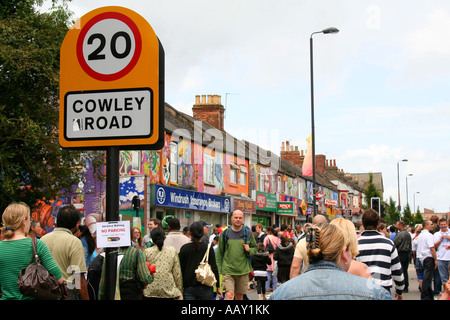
<point x="261" y="201"/>
<point x="137" y="52"/>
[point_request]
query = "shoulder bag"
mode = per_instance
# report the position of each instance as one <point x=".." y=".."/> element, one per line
<point x="204" y="273"/>
<point x="35" y="280"/>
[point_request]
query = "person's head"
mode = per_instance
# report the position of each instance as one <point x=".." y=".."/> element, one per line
<point x="206" y="226"/>
<point x="329" y="243"/>
<point x="16" y="217"/>
<point x="270" y="230"/>
<point x="428" y="225"/>
<point x="68" y="217"/>
<point x="349" y="228"/>
<point x="196" y="231"/>
<point x="370" y="219"/>
<point x="158" y="236"/>
<point x="443" y="224"/>
<point x="261" y="246"/>
<point x="136" y="234"/>
<point x="392" y="229"/>
<point x="174" y="224"/>
<point x="400" y="225"/>
<point x="153" y="223"/>
<point x="237" y="219"/>
<point x="319" y="219"/>
<point x="259" y="228"/>
<point x="35" y="227"/>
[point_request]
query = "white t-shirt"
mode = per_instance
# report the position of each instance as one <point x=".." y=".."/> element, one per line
<point x="442" y="252"/>
<point x="425" y="241"/>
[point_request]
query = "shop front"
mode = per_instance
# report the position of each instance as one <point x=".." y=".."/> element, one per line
<point x="188" y="206"/>
<point x="286" y="213"/>
<point x="266" y="208"/>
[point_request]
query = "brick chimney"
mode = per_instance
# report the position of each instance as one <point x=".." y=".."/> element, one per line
<point x="291" y="154"/>
<point x="209" y="110"/>
<point x="320" y="163"/>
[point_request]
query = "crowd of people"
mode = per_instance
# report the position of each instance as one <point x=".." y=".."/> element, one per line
<point x="320" y="260"/>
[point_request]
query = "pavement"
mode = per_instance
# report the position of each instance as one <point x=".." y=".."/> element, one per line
<point x="413" y="294"/>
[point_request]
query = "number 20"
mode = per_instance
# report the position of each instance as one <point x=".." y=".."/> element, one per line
<point x="96" y="54"/>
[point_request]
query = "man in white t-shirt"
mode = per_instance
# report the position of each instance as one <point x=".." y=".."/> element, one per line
<point x="426" y="252"/>
<point x="442" y="245"/>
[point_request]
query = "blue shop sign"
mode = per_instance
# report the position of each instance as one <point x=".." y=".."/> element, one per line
<point x="180" y="198"/>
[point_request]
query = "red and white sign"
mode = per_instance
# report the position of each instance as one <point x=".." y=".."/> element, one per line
<point x="261" y="201"/>
<point x="285" y="206"/>
<point x="330" y="202"/>
<point x="109" y="46"/>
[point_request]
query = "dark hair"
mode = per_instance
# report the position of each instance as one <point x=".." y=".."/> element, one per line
<point x="89" y="239"/>
<point x="68" y="217"/>
<point x="174" y="224"/>
<point x="158" y="237"/>
<point x="196" y="230"/>
<point x="370" y="219"/>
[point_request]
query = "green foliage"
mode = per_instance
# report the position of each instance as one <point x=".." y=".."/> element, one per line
<point x="392" y="214"/>
<point x="407" y="216"/>
<point x="32" y="164"/>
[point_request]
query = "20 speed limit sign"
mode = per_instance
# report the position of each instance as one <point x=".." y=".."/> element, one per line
<point x="112" y="82"/>
<point x="109" y="46"/>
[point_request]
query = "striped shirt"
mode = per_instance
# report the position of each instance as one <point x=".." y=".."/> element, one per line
<point x="380" y="255"/>
<point x="16" y="255"/>
<point x="128" y="269"/>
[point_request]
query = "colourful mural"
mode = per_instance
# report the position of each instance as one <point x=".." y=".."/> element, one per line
<point x="130" y="187"/>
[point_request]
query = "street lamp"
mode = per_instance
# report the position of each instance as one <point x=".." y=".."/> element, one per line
<point x="399" y="207"/>
<point x="409" y="175"/>
<point x="324" y="31"/>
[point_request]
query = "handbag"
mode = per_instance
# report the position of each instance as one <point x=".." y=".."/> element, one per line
<point x="35" y="280"/>
<point x="204" y="273"/>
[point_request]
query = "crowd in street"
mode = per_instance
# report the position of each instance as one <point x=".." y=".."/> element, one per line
<point x="327" y="260"/>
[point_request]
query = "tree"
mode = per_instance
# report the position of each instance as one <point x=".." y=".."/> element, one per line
<point x="418" y="218"/>
<point x="32" y="164"/>
<point x="392" y="214"/>
<point x="371" y="191"/>
<point x="407" y="216"/>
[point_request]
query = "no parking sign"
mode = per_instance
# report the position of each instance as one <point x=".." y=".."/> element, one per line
<point x="112" y="82"/>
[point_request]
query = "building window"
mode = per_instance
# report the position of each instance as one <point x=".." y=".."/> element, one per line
<point x="261" y="182"/>
<point x="233" y="175"/>
<point x="174" y="162"/>
<point x="243" y="176"/>
<point x="208" y="169"/>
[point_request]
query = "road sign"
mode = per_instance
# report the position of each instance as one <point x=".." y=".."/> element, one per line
<point x="111" y="83"/>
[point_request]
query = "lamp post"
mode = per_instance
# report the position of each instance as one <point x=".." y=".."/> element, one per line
<point x="324" y="31"/>
<point x="399" y="207"/>
<point x="409" y="175"/>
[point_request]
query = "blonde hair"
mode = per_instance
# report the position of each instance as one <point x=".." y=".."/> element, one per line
<point x="326" y="243"/>
<point x="349" y="228"/>
<point x="13" y="218"/>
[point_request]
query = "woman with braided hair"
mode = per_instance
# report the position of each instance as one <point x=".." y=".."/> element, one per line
<point x="326" y="277"/>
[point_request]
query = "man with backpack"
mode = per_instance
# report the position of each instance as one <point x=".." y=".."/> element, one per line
<point x="236" y="245"/>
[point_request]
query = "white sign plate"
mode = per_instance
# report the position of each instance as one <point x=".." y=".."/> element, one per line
<point x="112" y="234"/>
<point x="108" y="114"/>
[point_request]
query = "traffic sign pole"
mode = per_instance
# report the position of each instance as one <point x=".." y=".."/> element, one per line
<point x="111" y="97"/>
<point x="112" y="214"/>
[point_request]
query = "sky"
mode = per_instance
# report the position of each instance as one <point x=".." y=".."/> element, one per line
<point x="381" y="85"/>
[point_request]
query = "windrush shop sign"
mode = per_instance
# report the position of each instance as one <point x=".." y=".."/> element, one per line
<point x="186" y="199"/>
